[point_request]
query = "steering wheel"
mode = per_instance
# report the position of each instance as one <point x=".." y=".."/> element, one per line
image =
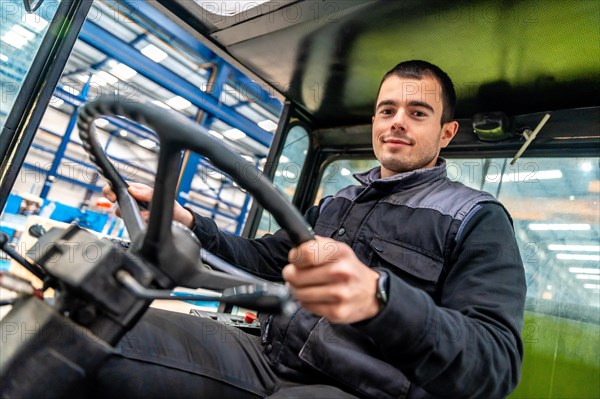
<point x="163" y="241"/>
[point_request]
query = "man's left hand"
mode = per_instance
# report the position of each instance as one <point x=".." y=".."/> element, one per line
<point x="327" y="278"/>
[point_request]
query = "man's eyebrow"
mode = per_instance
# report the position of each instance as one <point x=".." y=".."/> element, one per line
<point x="385" y="103"/>
<point x="420" y="104"/>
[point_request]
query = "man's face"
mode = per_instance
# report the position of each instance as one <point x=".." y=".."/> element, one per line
<point x="407" y="130"/>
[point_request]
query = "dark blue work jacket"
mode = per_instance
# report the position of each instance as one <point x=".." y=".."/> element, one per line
<point x="451" y="327"/>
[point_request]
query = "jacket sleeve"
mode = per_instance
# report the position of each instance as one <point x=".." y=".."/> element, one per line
<point x="469" y="344"/>
<point x="264" y="257"/>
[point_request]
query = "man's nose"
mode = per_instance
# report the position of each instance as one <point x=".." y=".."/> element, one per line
<point x="399" y="121"/>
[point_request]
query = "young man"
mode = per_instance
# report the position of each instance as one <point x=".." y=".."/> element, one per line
<point x="413" y="288"/>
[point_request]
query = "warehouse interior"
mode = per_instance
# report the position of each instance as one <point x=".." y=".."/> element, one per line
<point x="140" y="56"/>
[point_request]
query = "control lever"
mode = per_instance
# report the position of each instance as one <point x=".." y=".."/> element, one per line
<point x="37" y="230"/>
<point x="36" y="270"/>
<point x="271" y="298"/>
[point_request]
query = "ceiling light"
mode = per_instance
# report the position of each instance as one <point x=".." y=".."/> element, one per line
<point x="584" y="270"/>
<point x="229" y="8"/>
<point x="559" y="226"/>
<point x="234" y="134"/>
<point x="103" y="78"/>
<point x="124" y="133"/>
<point x="19" y="30"/>
<point x="583" y="257"/>
<point x="583" y="248"/>
<point x="154" y="53"/>
<point x="586" y="166"/>
<point x="147" y="143"/>
<point x="123" y="71"/>
<point x="289" y="175"/>
<point x="268" y="125"/>
<point x="35" y="21"/>
<point x="216" y="134"/>
<point x="3" y="57"/>
<point x="345" y="172"/>
<point x="101" y="122"/>
<point x="526" y="177"/>
<point x="178" y="103"/>
<point x="14" y="39"/>
<point x="248" y="158"/>
<point x="57" y="102"/>
<point x="283" y="159"/>
<point x="587" y="277"/>
<point x="160" y="104"/>
<point x="592" y="286"/>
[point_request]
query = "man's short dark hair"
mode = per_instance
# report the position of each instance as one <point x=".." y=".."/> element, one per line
<point x="417" y="69"/>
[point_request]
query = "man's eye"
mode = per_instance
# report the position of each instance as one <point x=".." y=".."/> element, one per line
<point x="419" y="114"/>
<point x="386" y="111"/>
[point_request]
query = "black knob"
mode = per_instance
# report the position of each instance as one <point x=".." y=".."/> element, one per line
<point x="37" y="230"/>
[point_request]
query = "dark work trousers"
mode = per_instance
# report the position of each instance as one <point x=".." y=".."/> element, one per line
<point x="174" y="355"/>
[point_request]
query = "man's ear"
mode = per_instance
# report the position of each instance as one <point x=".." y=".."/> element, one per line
<point x="449" y="130"/>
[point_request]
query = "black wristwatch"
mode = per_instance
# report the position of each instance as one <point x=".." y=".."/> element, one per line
<point x="382" y="288"/>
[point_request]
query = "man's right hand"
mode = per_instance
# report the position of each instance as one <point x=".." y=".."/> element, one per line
<point x="143" y="193"/>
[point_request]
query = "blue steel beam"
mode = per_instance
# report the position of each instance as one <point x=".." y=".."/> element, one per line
<point x="191" y="160"/>
<point x="114" y="47"/>
<point x="177" y="34"/>
<point x="60" y="151"/>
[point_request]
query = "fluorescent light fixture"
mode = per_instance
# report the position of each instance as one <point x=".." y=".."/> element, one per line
<point x="559" y="226"/>
<point x="587" y="277"/>
<point x="584" y="270"/>
<point x="147" y="143"/>
<point x="101" y="122"/>
<point x="160" y="104"/>
<point x="234" y="134"/>
<point x="19" y="30"/>
<point x="582" y="248"/>
<point x="527" y="177"/>
<point x="289" y="175"/>
<point x="586" y="166"/>
<point x="216" y="134"/>
<point x="268" y="125"/>
<point x="229" y="8"/>
<point x="123" y="71"/>
<point x="592" y="286"/>
<point x="35" y="21"/>
<point x="124" y="133"/>
<point x="178" y="103"/>
<point x="154" y="53"/>
<point x="14" y="39"/>
<point x="72" y="90"/>
<point x="345" y="172"/>
<point x="284" y="159"/>
<point x="583" y="257"/>
<point x="57" y="102"/>
<point x="103" y="78"/>
<point x="3" y="57"/>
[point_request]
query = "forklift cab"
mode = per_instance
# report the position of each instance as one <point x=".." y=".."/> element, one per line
<point x="527" y="78"/>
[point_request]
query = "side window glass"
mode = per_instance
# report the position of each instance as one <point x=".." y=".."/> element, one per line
<point x="338" y="174"/>
<point x="554" y="203"/>
<point x="21" y="35"/>
<point x="287" y="173"/>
